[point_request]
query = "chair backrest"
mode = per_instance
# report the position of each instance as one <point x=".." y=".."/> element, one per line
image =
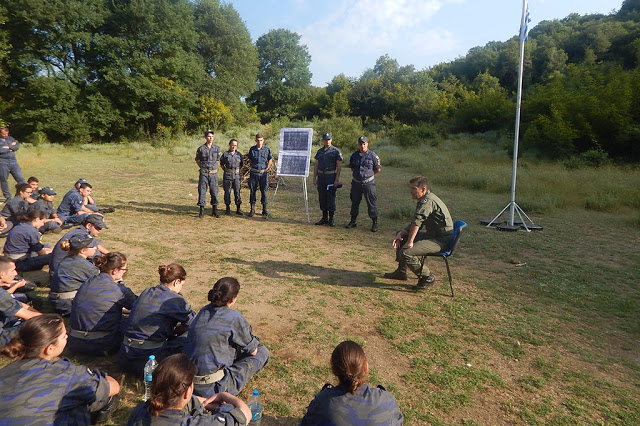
<point x="458" y="226"/>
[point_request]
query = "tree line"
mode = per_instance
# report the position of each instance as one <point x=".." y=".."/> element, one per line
<point x="81" y="70"/>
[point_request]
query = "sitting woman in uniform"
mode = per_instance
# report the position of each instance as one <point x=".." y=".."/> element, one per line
<point x="41" y="388"/>
<point x="352" y="402"/>
<point x="23" y="244"/>
<point x="172" y="400"/>
<point x="221" y="344"/>
<point x="96" y="320"/>
<point x="72" y="272"/>
<point x="157" y="320"/>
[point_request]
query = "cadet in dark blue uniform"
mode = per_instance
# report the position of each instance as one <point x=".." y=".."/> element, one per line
<point x="92" y="226"/>
<point x="207" y="158"/>
<point x="261" y="160"/>
<point x="231" y="163"/>
<point x="72" y="272"/>
<point x="23" y="244"/>
<point x="16" y="208"/>
<point x="42" y="389"/>
<point x="72" y="210"/>
<point x="153" y="323"/>
<point x="365" y="164"/>
<point x="12" y="311"/>
<point x="96" y="324"/>
<point x="44" y="203"/>
<point x="8" y="162"/>
<point x="352" y="402"/>
<point x="173" y="403"/>
<point x="221" y="344"/>
<point x="327" y="172"/>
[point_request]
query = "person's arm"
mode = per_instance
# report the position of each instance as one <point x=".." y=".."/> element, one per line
<point x="215" y="400"/>
<point x="114" y="386"/>
<point x="101" y="249"/>
<point x="198" y="157"/>
<point x="399" y="237"/>
<point x="338" y="170"/>
<point x="11" y="288"/>
<point x="269" y="163"/>
<point x="315" y="174"/>
<point x="411" y="235"/>
<point x="44" y="250"/>
<point x="3" y="223"/>
<point x="26" y="312"/>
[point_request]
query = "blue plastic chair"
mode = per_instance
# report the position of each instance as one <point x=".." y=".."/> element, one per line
<point x="458" y="226"/>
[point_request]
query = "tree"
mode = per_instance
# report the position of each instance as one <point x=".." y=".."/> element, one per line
<point x="283" y="75"/>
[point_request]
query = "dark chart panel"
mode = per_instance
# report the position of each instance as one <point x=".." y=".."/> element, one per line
<point x="296" y="141"/>
<point x="293" y="165"/>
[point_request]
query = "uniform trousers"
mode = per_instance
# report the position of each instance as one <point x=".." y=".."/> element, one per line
<point x="368" y="190"/>
<point x="9" y="167"/>
<point x="327" y="198"/>
<point x="258" y="180"/>
<point x="207" y="180"/>
<point x="422" y="245"/>
<point x="229" y="183"/>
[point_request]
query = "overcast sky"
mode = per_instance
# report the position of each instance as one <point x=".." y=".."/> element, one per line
<point x="347" y="36"/>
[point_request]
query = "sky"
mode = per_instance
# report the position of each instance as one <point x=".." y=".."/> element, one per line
<point x="348" y="36"/>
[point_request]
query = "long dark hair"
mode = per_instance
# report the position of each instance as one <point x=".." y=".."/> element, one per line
<point x="110" y="261"/>
<point x="34" y="335"/>
<point x="171" y="379"/>
<point x="223" y="291"/>
<point x="349" y="364"/>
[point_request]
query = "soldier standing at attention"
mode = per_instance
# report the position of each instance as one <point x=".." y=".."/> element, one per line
<point x="231" y="162"/>
<point x="8" y="162"/>
<point x="207" y="158"/>
<point x="327" y="172"/>
<point x="364" y="164"/>
<point x="261" y="160"/>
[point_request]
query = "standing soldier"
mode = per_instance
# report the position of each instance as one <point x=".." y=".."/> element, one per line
<point x="207" y="158"/>
<point x="8" y="162"/>
<point x="327" y="172"/>
<point x="231" y="162"/>
<point x="364" y="164"/>
<point x="261" y="160"/>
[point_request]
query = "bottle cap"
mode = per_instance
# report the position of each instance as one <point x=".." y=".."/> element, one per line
<point x="255" y="392"/>
<point x="152" y="357"/>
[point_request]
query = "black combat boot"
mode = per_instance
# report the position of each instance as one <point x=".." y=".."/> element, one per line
<point x="214" y="212"/>
<point x="425" y="282"/>
<point x="331" y="221"/>
<point x="374" y="224"/>
<point x="265" y="212"/>
<point x="238" y="211"/>
<point x="353" y="223"/>
<point x="201" y="214"/>
<point x="325" y="218"/>
<point x="252" y="211"/>
<point x="228" y="211"/>
<point x="398" y="274"/>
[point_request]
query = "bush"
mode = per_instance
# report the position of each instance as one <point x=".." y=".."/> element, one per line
<point x="415" y="135"/>
<point x="592" y="158"/>
<point x="344" y="130"/>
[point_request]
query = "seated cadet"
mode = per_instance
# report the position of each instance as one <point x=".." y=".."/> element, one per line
<point x="44" y="203"/>
<point x="173" y="402"/>
<point x="23" y="244"/>
<point x="34" y="183"/>
<point x="352" y="402"/>
<point x="88" y="201"/>
<point x="72" y="272"/>
<point x="92" y="226"/>
<point x="12" y="311"/>
<point x="72" y="209"/>
<point x="16" y="208"/>
<point x="46" y="389"/>
<point x="221" y="344"/>
<point x="157" y="320"/>
<point x="96" y="323"/>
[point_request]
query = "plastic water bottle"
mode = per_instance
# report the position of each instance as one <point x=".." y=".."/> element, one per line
<point x="148" y="376"/>
<point x="255" y="405"/>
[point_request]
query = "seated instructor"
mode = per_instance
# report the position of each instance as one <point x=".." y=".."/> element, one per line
<point x="411" y="243"/>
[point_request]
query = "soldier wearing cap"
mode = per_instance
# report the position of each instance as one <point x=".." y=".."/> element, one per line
<point x="72" y="209"/>
<point x="207" y="158"/>
<point x="231" y="163"/>
<point x="364" y="164"/>
<point x="12" y="311"/>
<point x="92" y="226"/>
<point x="16" y="208"/>
<point x="44" y="203"/>
<point x="8" y="162"/>
<point x="326" y="177"/>
<point x="261" y="160"/>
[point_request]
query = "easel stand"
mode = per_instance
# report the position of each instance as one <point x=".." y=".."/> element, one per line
<point x="306" y="196"/>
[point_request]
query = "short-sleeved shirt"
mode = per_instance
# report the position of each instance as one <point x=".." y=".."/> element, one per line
<point x="259" y="158"/>
<point x="327" y="159"/>
<point x="193" y="414"/>
<point x="156" y="313"/>
<point x="98" y="304"/>
<point x="58" y="254"/>
<point x="12" y="146"/>
<point x="45" y="207"/>
<point x="49" y="392"/>
<point x="433" y="215"/>
<point x="71" y="204"/>
<point x="216" y="336"/>
<point x="8" y="306"/>
<point x="364" y="165"/>
<point x="72" y="272"/>
<point x="16" y="206"/>
<point x="232" y="162"/>
<point x="23" y="238"/>
<point x="208" y="156"/>
<point x="336" y="406"/>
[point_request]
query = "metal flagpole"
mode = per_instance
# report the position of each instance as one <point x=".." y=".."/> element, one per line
<point x="513" y="206"/>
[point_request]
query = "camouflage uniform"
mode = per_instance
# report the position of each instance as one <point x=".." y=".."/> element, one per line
<point x="432" y="215"/>
<point x="72" y="272"/>
<point x="221" y="339"/>
<point x="58" y="254"/>
<point x="97" y="309"/>
<point x="193" y="414"/>
<point x="368" y="406"/>
<point x="69" y="207"/>
<point x="153" y="319"/>
<point x="9" y="324"/>
<point x="24" y="239"/>
<point x="50" y="392"/>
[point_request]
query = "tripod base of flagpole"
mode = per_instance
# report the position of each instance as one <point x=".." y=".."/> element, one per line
<point x="512" y="224"/>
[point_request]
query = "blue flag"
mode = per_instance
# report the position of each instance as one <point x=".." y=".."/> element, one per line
<point x="524" y="24"/>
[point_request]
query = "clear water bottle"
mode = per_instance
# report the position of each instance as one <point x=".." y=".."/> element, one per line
<point x="255" y="405"/>
<point x="148" y="376"/>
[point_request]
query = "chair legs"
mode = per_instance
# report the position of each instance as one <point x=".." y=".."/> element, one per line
<point x="446" y="261"/>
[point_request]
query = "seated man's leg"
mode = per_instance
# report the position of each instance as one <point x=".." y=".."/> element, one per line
<point x="32" y="263"/>
<point x="9" y="330"/>
<point x="4" y="176"/>
<point x="420" y="247"/>
<point x="244" y="368"/>
<point x="75" y="219"/>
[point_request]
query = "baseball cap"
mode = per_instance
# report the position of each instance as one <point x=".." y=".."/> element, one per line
<point x="96" y="220"/>
<point x="363" y="139"/>
<point x="326" y="136"/>
<point x="206" y="133"/>
<point x="81" y="181"/>
<point x="77" y="242"/>
<point x="47" y="191"/>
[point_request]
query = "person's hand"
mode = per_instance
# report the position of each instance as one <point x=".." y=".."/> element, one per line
<point x="396" y="241"/>
<point x="19" y="283"/>
<point x="336" y="183"/>
<point x="58" y="221"/>
<point x="315" y="181"/>
<point x="213" y="402"/>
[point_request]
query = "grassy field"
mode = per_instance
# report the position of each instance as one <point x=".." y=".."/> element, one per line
<point x="555" y="341"/>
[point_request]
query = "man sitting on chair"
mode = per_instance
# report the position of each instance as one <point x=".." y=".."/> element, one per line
<point x="411" y="243"/>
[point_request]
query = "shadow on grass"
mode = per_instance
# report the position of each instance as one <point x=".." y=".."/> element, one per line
<point x="320" y="274"/>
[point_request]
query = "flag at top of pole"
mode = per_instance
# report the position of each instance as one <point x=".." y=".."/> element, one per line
<point x="524" y="24"/>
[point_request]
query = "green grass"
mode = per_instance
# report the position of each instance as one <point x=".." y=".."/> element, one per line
<point x="552" y="342"/>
